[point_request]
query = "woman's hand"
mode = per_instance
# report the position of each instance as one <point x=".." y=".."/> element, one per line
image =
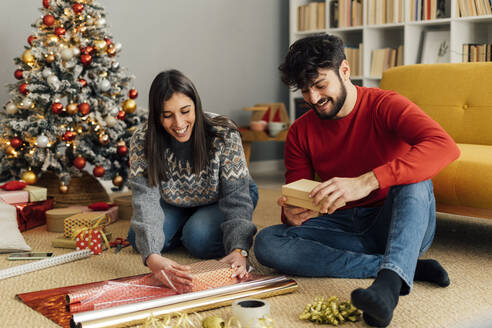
<point x="170" y="273"/>
<point x="237" y="262"/>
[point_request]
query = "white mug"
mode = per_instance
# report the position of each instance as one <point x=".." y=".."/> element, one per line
<point x="275" y="127"/>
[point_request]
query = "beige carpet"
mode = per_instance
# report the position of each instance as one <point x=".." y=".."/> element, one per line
<point x="462" y="245"/>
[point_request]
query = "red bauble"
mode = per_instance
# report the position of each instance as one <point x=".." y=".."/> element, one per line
<point x="108" y="41"/>
<point x="84" y="108"/>
<point x="79" y="162"/>
<point x="15" y="142"/>
<point x="122" y="150"/>
<point x="69" y="136"/>
<point x="98" y="171"/>
<point x="86" y="59"/>
<point x="18" y="74"/>
<point x="78" y="7"/>
<point x="23" y="88"/>
<point x="30" y="38"/>
<point x="83" y="82"/>
<point x="121" y="115"/>
<point x="57" y="107"/>
<point x="46" y="4"/>
<point x="48" y="20"/>
<point x="60" y="31"/>
<point x="133" y="93"/>
<point x="89" y="50"/>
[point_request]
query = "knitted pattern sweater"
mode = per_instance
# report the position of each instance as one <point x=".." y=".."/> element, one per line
<point x="225" y="180"/>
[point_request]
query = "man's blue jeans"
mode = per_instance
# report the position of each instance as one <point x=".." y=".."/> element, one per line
<point x="196" y="228"/>
<point x="357" y="242"/>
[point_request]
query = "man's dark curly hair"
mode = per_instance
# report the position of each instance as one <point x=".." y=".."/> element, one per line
<point x="307" y="55"/>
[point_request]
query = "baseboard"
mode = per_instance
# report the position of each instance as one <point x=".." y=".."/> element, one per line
<point x="273" y="165"/>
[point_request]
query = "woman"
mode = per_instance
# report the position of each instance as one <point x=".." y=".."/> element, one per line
<point x="190" y="184"/>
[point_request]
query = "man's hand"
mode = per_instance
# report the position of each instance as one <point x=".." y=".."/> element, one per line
<point x="237" y="262"/>
<point x="336" y="192"/>
<point x="170" y="273"/>
<point x="295" y="216"/>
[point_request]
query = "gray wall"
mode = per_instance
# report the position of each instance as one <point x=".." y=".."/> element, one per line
<point x="230" y="49"/>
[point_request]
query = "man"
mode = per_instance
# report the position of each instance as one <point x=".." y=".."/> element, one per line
<point x="375" y="152"/>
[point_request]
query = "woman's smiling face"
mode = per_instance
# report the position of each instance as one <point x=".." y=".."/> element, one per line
<point x="178" y="116"/>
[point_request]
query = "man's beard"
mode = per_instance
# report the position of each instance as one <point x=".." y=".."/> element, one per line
<point x="337" y="103"/>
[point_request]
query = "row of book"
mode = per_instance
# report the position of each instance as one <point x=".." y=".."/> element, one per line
<point x="473" y="52"/>
<point x="474" y="7"/>
<point x="311" y="17"/>
<point x="429" y="9"/>
<point x="382" y="59"/>
<point x="346" y="13"/>
<point x="385" y="11"/>
<point x="354" y="57"/>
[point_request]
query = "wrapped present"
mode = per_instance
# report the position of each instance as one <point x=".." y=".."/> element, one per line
<point x="14" y="196"/>
<point x="83" y="220"/>
<point x="36" y="194"/>
<point x="61" y="242"/>
<point x="90" y="238"/>
<point x="31" y="215"/>
<point x="211" y="274"/>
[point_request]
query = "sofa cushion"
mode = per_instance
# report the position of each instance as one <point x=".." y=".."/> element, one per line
<point x="468" y="180"/>
<point x="458" y="96"/>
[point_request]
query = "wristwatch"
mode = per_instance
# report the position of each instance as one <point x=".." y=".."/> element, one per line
<point x="243" y="252"/>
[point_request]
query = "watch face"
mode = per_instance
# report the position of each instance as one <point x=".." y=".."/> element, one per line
<point x="244" y="253"/>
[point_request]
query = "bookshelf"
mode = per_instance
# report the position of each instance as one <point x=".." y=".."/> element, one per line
<point x="403" y="26"/>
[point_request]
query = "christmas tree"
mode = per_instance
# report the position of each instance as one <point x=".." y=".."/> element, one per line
<point x="72" y="104"/>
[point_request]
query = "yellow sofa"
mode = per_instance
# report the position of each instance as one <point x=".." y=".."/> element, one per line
<point x="459" y="98"/>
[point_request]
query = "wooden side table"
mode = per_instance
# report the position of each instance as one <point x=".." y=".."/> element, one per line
<point x="249" y="136"/>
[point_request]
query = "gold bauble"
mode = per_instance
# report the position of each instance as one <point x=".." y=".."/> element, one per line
<point x="129" y="106"/>
<point x="72" y="108"/>
<point x="51" y="40"/>
<point x="111" y="52"/>
<point x="29" y="177"/>
<point x="50" y="58"/>
<point x="28" y="58"/>
<point x="118" y="180"/>
<point x="103" y="74"/>
<point x="63" y="189"/>
<point x="100" y="45"/>
<point x="10" y="150"/>
<point x="104" y="139"/>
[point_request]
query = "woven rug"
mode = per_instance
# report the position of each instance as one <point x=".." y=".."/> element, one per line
<point x="462" y="245"/>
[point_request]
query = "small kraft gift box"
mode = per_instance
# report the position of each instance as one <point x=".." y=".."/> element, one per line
<point x="297" y="193"/>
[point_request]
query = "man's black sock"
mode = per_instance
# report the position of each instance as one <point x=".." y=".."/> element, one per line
<point x="431" y="271"/>
<point x="380" y="299"/>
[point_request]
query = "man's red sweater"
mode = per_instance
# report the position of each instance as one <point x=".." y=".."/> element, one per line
<point x="385" y="133"/>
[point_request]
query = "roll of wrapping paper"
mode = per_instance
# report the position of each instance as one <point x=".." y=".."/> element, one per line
<point x="137" y="313"/>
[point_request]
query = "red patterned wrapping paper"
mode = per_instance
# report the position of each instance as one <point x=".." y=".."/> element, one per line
<point x="211" y="274"/>
<point x="31" y="215"/>
<point x="205" y="275"/>
<point x="90" y="238"/>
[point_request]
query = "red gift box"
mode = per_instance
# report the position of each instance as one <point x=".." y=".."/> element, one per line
<point x="31" y="215"/>
<point x="89" y="238"/>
